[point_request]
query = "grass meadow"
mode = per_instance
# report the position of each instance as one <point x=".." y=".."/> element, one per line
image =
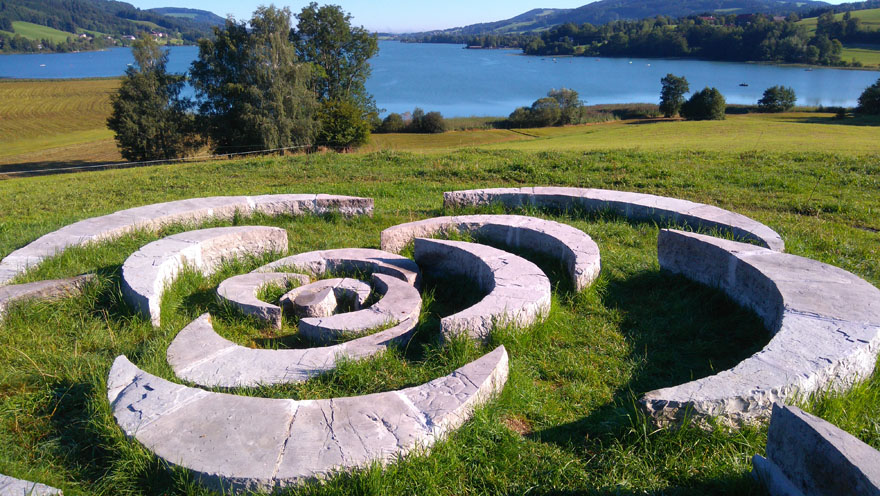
<point x="566" y="421"/>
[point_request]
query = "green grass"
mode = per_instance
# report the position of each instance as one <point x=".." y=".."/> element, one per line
<point x="565" y="423"/>
<point x="867" y="56"/>
<point x="38" y="32"/>
<point x="870" y="19"/>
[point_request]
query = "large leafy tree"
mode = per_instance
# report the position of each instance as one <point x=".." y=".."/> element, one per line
<point x="777" y="99"/>
<point x="672" y="94"/>
<point x="707" y="104"/>
<point x="254" y="91"/>
<point x="150" y="118"/>
<point x="869" y="101"/>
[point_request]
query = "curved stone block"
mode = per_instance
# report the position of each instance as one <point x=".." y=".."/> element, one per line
<point x="346" y="259"/>
<point x="825" y="324"/>
<point x="241" y="292"/>
<point x="240" y="442"/>
<point x="41" y="290"/>
<point x="357" y="292"/>
<point x="10" y="486"/>
<point x="518" y="292"/>
<point x="572" y="246"/>
<point x="198" y="354"/>
<point x="153" y="217"/>
<point x="399" y="302"/>
<point x="638" y="206"/>
<point x="147" y="272"/>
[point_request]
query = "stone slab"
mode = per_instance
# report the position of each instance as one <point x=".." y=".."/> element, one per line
<point x="199" y="355"/>
<point x="572" y="246"/>
<point x="42" y="290"/>
<point x="10" y="486"/>
<point x="154" y="217"/>
<point x="637" y="206"/>
<point x="239" y="443"/>
<point x="809" y="456"/>
<point x="319" y="263"/>
<point x="344" y="289"/>
<point x="241" y="292"/>
<point x="825" y="324"/>
<point x="518" y="292"/>
<point x="148" y="271"/>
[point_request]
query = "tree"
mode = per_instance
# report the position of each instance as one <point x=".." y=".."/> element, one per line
<point x="570" y="105"/>
<point x="707" y="104"/>
<point x="869" y="101"/>
<point x="393" y="123"/>
<point x="342" y="126"/>
<point x="545" y="112"/>
<point x="150" y="118"/>
<point x="253" y="90"/>
<point x="672" y="94"/>
<point x="433" y="123"/>
<point x="777" y="99"/>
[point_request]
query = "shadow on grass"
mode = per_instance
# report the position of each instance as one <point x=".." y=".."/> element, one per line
<point x="858" y="120"/>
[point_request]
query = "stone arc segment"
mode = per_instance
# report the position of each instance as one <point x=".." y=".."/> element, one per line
<point x="811" y="457"/>
<point x="155" y="216"/>
<point x="517" y="291"/>
<point x="348" y="290"/>
<point x="41" y="290"/>
<point x="573" y="247"/>
<point x="232" y="442"/>
<point x="199" y="355"/>
<point x="10" y="486"/>
<point x="636" y="206"/>
<point x="319" y="263"/>
<point x="399" y="302"/>
<point x="148" y="271"/>
<point x="825" y="324"/>
<point x="241" y="292"/>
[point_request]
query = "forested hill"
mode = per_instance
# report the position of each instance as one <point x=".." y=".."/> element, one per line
<point x="46" y="25"/>
<point x="195" y="15"/>
<point x="605" y="11"/>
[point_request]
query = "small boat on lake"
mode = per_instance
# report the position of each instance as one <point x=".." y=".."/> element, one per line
<point x="743" y="84"/>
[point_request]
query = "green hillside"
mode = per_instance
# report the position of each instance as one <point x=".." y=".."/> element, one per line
<point x="870" y="19"/>
<point x="36" y="32"/>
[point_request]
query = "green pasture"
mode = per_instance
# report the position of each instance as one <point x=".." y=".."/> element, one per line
<point x="37" y="32"/>
<point x="566" y="422"/>
<point x="870" y="19"/>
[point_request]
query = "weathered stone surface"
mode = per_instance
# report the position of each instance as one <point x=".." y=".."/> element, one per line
<point x="518" y="293"/>
<point x="349" y="291"/>
<point x="240" y="442"/>
<point x="318" y="303"/>
<point x="319" y="263"/>
<point x="825" y="324"/>
<point x="811" y="457"/>
<point x="16" y="487"/>
<point x="637" y="206"/>
<point x="198" y="354"/>
<point x="153" y="217"/>
<point x="574" y="247"/>
<point x="241" y="291"/>
<point x="41" y="290"/>
<point x="399" y="302"/>
<point x="147" y="272"/>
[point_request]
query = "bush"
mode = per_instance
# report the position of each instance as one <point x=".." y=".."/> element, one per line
<point x="707" y="104"/>
<point x="869" y="101"/>
<point x="432" y="123"/>
<point x="342" y="125"/>
<point x="393" y="123"/>
<point x="777" y="99"/>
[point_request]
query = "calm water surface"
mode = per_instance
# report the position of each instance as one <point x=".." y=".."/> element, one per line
<point x="459" y="82"/>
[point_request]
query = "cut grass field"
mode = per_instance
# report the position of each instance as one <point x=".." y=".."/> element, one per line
<point x="565" y="423"/>
<point x="870" y="19"/>
<point x="37" y="32"/>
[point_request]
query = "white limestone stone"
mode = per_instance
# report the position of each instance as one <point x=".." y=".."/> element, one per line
<point x="148" y="271"/>
<point x="825" y="324"/>
<point x="236" y="443"/>
<point x="10" y="486"/>
<point x="41" y="290"/>
<point x="347" y="290"/>
<point x="153" y="217"/>
<point x="517" y="292"/>
<point x="400" y="301"/>
<point x="199" y="355"/>
<point x="318" y="303"/>
<point x="811" y="457"/>
<point x="319" y="263"/>
<point x="572" y="246"/>
<point x="241" y="291"/>
<point x="637" y="206"/>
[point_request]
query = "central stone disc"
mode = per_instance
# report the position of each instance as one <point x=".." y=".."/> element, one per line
<point x="326" y="297"/>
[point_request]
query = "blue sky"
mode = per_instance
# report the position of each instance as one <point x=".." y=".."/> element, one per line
<point x="390" y="15"/>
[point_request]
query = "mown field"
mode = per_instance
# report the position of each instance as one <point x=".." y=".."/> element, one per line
<point x="565" y="423"/>
<point x="869" y="19"/>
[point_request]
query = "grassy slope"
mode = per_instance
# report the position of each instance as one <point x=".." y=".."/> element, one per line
<point x="38" y="32"/>
<point x="49" y="122"/>
<point x="870" y="19"/>
<point x="564" y="424"/>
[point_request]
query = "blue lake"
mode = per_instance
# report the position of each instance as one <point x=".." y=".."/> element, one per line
<point x="459" y="82"/>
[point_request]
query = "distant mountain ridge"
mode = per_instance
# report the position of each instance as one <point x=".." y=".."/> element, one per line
<point x="195" y="15"/>
<point x="605" y="11"/>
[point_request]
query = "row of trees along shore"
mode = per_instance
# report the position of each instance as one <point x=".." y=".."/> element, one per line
<point x="261" y="85"/>
<point x="753" y="37"/>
